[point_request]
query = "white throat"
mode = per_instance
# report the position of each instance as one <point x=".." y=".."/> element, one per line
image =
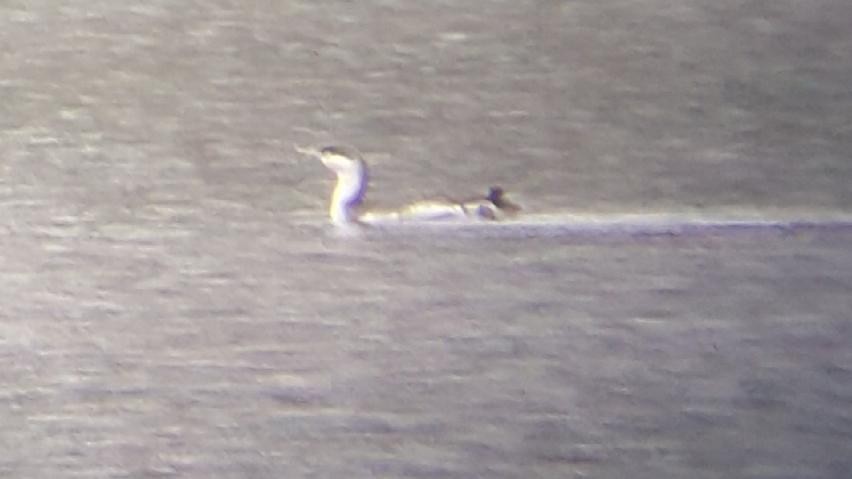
<point x="349" y="192"/>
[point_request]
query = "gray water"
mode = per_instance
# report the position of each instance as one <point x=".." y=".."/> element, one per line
<point x="173" y="303"/>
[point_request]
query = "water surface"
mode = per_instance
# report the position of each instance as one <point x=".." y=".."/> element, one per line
<point x="173" y="303"/>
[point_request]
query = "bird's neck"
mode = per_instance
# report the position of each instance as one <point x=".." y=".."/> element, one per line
<point x="348" y="195"/>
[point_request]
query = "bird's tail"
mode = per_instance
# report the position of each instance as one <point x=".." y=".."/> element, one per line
<point x="497" y="198"/>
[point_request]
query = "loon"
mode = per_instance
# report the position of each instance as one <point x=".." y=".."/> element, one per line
<point x="352" y="178"/>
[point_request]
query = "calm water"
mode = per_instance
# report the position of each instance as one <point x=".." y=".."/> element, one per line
<point x="173" y="304"/>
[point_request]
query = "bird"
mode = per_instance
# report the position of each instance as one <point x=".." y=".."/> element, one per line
<point x="347" y="198"/>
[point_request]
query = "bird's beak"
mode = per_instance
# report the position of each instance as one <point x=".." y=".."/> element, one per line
<point x="309" y="151"/>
